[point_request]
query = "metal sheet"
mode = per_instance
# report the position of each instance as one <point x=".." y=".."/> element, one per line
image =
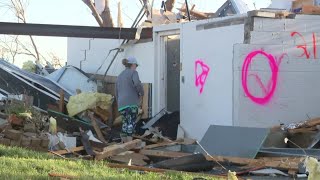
<point x="233" y="141"/>
<point x="35" y="79"/>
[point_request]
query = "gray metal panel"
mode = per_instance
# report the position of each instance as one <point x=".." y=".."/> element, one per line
<point x="233" y="141"/>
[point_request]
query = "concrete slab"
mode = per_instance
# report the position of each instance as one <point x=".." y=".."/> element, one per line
<point x="233" y="141"/>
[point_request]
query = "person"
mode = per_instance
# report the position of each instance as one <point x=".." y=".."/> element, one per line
<point x="129" y="93"/>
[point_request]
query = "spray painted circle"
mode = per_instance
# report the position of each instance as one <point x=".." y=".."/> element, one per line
<point x="274" y="77"/>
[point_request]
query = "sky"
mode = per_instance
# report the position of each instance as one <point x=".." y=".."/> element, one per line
<point x="75" y="12"/>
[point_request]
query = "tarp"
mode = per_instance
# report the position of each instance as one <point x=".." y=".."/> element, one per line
<point x="85" y="101"/>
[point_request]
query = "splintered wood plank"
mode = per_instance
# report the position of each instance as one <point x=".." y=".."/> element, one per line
<point x="61" y="101"/>
<point x="97" y="129"/>
<point x="117" y="149"/>
<point x="62" y="176"/>
<point x="313" y="122"/>
<point x="163" y="154"/>
<point x="145" y="103"/>
<point x="284" y="163"/>
<point x="257" y="13"/>
<point x="76" y="149"/>
<point x="156" y="170"/>
<point x="164" y="144"/>
<point x="103" y="114"/>
<point x="302" y="130"/>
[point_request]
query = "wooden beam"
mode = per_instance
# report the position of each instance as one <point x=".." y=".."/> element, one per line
<point x="62" y="176"/>
<point x="61" y="101"/>
<point x="156" y="170"/>
<point x="164" y="144"/>
<point x="280" y="164"/>
<point x="117" y="149"/>
<point x="197" y="14"/>
<point x="96" y="127"/>
<point x="144" y="139"/>
<point x="302" y="130"/>
<point x="76" y="149"/>
<point x="163" y="154"/>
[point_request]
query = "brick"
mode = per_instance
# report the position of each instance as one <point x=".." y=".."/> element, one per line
<point x="5" y="141"/>
<point x="25" y="141"/>
<point x="35" y="142"/>
<point x="44" y="142"/>
<point x="30" y="127"/>
<point x="15" y="142"/>
<point x="13" y="134"/>
<point x="5" y="126"/>
<point x="42" y="149"/>
<point x="30" y="134"/>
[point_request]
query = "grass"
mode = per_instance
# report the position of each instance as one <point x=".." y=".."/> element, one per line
<point x="18" y="163"/>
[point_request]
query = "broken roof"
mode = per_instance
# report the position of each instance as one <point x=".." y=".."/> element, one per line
<point x="32" y="78"/>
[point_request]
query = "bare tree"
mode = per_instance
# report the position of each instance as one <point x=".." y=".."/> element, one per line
<point x="10" y="47"/>
<point x="18" y="7"/>
<point x="18" y="46"/>
<point x="56" y="61"/>
<point x="104" y="19"/>
<point x="106" y="15"/>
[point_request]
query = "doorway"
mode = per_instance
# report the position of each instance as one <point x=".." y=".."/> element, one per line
<point x="172" y="72"/>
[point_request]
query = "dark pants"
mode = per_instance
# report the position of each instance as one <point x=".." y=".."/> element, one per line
<point x="129" y="117"/>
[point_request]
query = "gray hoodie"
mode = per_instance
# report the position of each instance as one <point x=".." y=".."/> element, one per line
<point x="128" y="88"/>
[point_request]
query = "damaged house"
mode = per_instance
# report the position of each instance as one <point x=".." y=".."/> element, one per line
<point x="243" y="79"/>
<point x="251" y="71"/>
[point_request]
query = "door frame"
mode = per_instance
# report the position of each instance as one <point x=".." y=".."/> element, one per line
<point x="160" y="69"/>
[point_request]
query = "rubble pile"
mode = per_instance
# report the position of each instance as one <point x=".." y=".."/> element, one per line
<point x="23" y="126"/>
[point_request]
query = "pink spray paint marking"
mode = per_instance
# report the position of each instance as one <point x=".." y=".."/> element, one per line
<point x="272" y="83"/>
<point x="200" y="78"/>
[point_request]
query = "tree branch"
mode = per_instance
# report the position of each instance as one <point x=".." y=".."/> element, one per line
<point x="106" y="15"/>
<point x="94" y="12"/>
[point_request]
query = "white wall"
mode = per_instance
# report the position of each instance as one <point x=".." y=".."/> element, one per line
<point x="92" y="53"/>
<point x="96" y="55"/>
<point x="215" y="48"/>
<point x="296" y="96"/>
